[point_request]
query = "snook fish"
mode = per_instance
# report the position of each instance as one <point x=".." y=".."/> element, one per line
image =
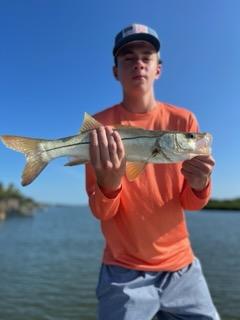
<point x="141" y="147"/>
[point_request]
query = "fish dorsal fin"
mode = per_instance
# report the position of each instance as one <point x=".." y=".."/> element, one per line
<point x="123" y="126"/>
<point x="89" y="123"/>
<point x="133" y="169"/>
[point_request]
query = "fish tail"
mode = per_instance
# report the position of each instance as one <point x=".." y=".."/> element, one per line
<point x="31" y="148"/>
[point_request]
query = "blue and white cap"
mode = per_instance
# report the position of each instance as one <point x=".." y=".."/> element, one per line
<point x="136" y="32"/>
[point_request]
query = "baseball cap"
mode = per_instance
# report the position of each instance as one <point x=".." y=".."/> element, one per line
<point x="136" y="32"/>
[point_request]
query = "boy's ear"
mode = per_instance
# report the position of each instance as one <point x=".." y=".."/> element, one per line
<point x="115" y="72"/>
<point x="158" y="71"/>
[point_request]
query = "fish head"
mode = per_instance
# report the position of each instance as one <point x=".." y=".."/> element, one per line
<point x="193" y="143"/>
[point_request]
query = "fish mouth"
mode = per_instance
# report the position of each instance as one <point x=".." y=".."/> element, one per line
<point x="203" y="145"/>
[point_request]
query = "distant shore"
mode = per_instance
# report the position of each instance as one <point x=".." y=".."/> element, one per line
<point x="213" y="204"/>
<point x="13" y="202"/>
<point x="227" y="204"/>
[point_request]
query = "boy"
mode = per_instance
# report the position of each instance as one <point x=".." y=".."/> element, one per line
<point x="148" y="265"/>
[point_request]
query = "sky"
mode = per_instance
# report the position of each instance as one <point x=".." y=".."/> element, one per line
<point x="56" y="63"/>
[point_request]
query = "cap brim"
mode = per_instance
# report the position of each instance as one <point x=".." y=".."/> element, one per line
<point x="137" y="37"/>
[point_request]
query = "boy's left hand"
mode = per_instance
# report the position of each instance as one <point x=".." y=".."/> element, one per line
<point x="197" y="171"/>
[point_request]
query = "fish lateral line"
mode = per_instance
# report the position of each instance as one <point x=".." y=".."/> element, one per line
<point x="88" y="142"/>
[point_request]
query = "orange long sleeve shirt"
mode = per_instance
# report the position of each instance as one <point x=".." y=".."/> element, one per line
<point x="144" y="224"/>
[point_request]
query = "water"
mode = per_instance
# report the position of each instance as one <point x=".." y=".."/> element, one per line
<point x="49" y="263"/>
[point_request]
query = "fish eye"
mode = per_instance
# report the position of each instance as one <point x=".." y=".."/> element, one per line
<point x="190" y="136"/>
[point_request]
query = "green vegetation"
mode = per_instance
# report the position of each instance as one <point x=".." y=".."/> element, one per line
<point x="228" y="204"/>
<point x="12" y="201"/>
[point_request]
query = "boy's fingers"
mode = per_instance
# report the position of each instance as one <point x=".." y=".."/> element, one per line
<point x="94" y="149"/>
<point x="103" y="147"/>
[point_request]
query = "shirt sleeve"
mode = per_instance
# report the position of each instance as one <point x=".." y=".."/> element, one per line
<point x="102" y="206"/>
<point x="194" y="199"/>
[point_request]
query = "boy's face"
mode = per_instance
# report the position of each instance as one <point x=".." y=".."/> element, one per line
<point x="137" y="67"/>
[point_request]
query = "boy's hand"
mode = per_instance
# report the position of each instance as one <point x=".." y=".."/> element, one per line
<point x="107" y="157"/>
<point x="197" y="171"/>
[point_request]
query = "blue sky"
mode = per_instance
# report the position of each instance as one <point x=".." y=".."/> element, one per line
<point x="56" y="63"/>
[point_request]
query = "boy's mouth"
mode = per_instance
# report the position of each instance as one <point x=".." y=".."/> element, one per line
<point x="138" y="77"/>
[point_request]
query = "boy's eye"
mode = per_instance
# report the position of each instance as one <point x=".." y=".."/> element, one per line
<point x="128" y="58"/>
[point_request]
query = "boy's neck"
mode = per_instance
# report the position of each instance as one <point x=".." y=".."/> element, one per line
<point x="139" y="104"/>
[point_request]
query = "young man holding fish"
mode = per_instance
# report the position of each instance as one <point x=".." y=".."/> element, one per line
<point x="148" y="266"/>
<point x="144" y="173"/>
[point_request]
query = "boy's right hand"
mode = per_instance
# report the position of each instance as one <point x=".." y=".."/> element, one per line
<point x="107" y="157"/>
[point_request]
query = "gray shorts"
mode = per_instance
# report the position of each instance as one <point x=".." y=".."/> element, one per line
<point x="126" y="294"/>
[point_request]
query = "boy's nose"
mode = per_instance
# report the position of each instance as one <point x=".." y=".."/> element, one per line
<point x="138" y="65"/>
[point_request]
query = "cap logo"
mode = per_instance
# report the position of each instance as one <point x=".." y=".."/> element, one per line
<point x="141" y="29"/>
<point x="134" y="29"/>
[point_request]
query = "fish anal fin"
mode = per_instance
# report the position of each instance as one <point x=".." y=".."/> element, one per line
<point x="74" y="162"/>
<point x="32" y="169"/>
<point x="133" y="169"/>
<point x="89" y="123"/>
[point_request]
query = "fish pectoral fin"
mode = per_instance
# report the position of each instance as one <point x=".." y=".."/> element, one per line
<point x="89" y="123"/>
<point x="133" y="169"/>
<point x="74" y="162"/>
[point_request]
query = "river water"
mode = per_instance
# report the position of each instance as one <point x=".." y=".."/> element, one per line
<point x="49" y="263"/>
